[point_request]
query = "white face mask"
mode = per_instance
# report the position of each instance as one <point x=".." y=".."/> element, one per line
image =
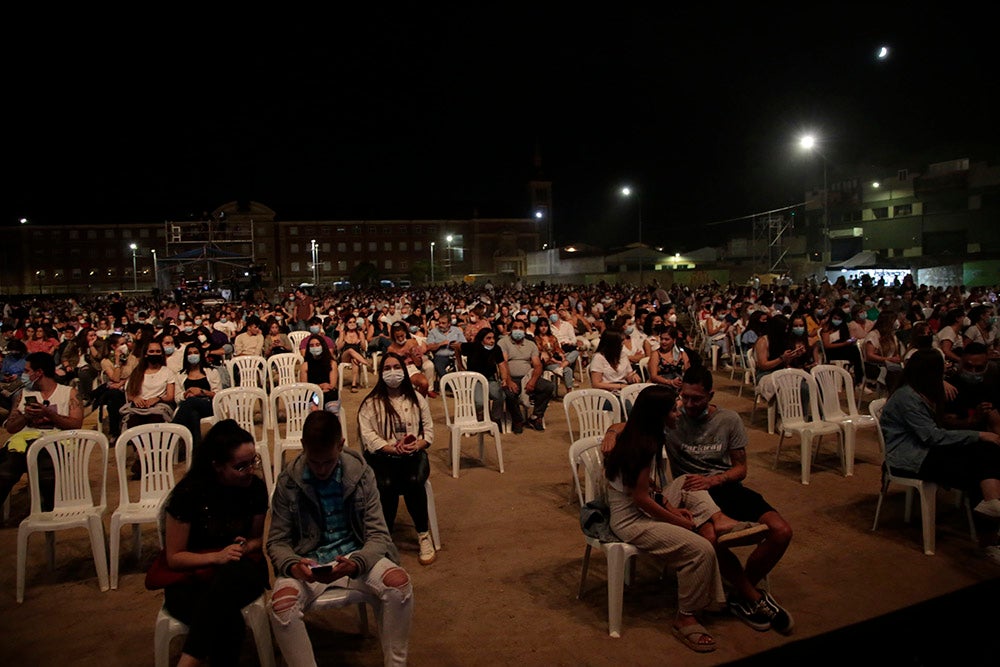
<point x="393" y="377"/>
<point x="315" y="351"/>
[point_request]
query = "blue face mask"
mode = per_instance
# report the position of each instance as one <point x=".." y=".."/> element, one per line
<point x="553" y="318"/>
<point x="314" y="329"/>
<point x="414" y="328"/>
<point x="169" y="349"/>
<point x="517" y="334"/>
<point x="193" y="358"/>
<point x="798" y="331"/>
<point x="533" y="318"/>
<point x="836" y="323"/>
<point x="28" y="384"/>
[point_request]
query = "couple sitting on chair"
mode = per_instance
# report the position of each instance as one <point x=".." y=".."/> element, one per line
<point x="702" y="513"/>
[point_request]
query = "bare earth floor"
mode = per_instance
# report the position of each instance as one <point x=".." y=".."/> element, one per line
<point x="504" y="588"/>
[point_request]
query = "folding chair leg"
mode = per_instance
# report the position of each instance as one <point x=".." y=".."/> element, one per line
<point x="616" y="590"/>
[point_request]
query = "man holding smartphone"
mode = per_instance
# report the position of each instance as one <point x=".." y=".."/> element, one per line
<point x="328" y="530"/>
<point x="43" y="406"/>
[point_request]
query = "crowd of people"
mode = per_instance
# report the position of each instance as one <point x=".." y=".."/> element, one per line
<point x="932" y="351"/>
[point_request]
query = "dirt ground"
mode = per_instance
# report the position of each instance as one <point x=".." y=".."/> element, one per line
<point x="504" y="588"/>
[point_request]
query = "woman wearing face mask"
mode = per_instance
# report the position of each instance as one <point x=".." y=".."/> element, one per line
<point x="884" y="352"/>
<point x="483" y="356"/>
<point x="807" y="352"/>
<point x="949" y="337"/>
<point x="396" y="428"/>
<point x="351" y="343"/>
<point x="321" y="369"/>
<point x="407" y="347"/>
<point x="150" y="389"/>
<point x="276" y="341"/>
<point x="548" y="348"/>
<point x="200" y="384"/>
<point x="838" y="344"/>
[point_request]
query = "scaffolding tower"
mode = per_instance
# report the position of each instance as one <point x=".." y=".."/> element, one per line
<point x="769" y="240"/>
<point x="214" y="249"/>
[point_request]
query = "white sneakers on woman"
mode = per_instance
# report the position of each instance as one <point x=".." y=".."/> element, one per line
<point x="427" y="552"/>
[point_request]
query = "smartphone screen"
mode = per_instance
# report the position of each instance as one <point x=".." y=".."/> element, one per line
<point x="31" y="400"/>
<point x="321" y="569"/>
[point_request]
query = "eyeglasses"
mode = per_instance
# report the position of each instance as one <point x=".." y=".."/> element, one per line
<point x="247" y="465"/>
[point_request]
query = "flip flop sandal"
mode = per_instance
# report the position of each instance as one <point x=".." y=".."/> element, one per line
<point x="744" y="533"/>
<point x="690" y="634"/>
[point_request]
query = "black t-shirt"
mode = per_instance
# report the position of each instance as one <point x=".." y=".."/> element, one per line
<point x="481" y="360"/>
<point x="971" y="394"/>
<point x="217" y="514"/>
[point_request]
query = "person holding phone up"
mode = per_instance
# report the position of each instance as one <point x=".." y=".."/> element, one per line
<point x="44" y="406"/>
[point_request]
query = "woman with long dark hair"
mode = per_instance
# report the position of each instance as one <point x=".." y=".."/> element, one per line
<point x="483" y="356"/>
<point x="214" y="525"/>
<point x="321" y="368"/>
<point x="610" y="368"/>
<point x="774" y="350"/>
<point x="668" y="362"/>
<point x="634" y="468"/>
<point x="917" y="446"/>
<point x="838" y="344"/>
<point x="884" y="352"/>
<point x="150" y="389"/>
<point x="199" y="384"/>
<point x="396" y="428"/>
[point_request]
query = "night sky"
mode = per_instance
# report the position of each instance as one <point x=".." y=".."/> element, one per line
<point x="439" y="113"/>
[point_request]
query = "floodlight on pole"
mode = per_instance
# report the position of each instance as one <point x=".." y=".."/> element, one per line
<point x="135" y="276"/>
<point x="432" y="262"/>
<point x="627" y="192"/>
<point x="808" y="142"/>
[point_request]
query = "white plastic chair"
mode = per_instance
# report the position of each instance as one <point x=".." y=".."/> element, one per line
<point x="710" y="348"/>
<point x="255" y="614"/>
<point x="596" y="410"/>
<point x="833" y="379"/>
<point x="252" y="371"/>
<point x="74" y="505"/>
<point x="461" y="418"/>
<point x="619" y="555"/>
<point x="751" y="378"/>
<point x="282" y="369"/>
<point x="628" y="393"/>
<point x="799" y="419"/>
<point x="295" y="401"/>
<point x="245" y="405"/>
<point x="644" y="369"/>
<point x="926" y="490"/>
<point x="296" y="338"/>
<point x="156" y="446"/>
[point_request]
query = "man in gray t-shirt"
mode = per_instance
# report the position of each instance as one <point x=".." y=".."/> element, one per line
<point x="709" y="446"/>
<point x="523" y="361"/>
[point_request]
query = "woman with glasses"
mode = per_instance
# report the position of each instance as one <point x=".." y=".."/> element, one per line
<point x="214" y="521"/>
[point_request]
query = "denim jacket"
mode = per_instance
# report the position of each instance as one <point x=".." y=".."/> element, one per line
<point x="297" y="523"/>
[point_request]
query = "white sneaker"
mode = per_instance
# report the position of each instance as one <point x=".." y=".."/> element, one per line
<point x="993" y="553"/>
<point x="427" y="553"/>
<point x="990" y="508"/>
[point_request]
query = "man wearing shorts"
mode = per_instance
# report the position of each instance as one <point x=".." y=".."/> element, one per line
<point x="709" y="446"/>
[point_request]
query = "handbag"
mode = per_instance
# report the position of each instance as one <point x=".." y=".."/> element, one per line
<point x="160" y="574"/>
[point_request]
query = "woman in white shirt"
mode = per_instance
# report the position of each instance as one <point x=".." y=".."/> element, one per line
<point x="149" y="391"/>
<point x="949" y="337"/>
<point x="611" y="368"/>
<point x="396" y="429"/>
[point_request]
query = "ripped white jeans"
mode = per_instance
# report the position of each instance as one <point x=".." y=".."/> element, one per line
<point x="393" y="613"/>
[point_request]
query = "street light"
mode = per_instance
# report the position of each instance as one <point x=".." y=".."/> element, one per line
<point x="156" y="271"/>
<point x="135" y="276"/>
<point x="449" y="239"/>
<point x="627" y="192"/>
<point x="432" y="262"/>
<point x="315" y="259"/>
<point x="808" y="143"/>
